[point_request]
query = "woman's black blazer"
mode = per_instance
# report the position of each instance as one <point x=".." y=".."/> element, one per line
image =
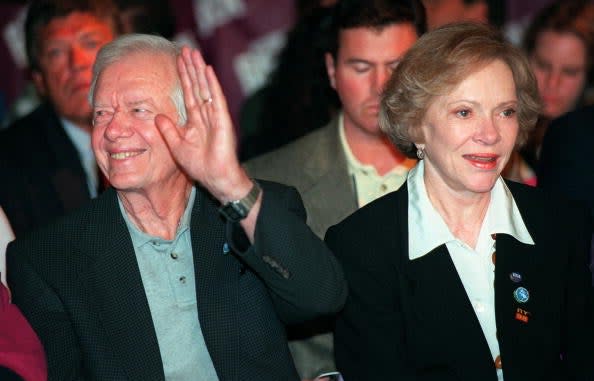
<point x="412" y="320"/>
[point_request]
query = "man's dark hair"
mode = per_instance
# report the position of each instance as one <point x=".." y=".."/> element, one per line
<point x="42" y="12"/>
<point x="147" y="16"/>
<point x="375" y="14"/>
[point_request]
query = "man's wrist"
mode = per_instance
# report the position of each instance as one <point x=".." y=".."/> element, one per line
<point x="234" y="186"/>
<point x="238" y="209"/>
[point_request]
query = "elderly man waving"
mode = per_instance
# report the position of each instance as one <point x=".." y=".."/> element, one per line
<point x="187" y="268"/>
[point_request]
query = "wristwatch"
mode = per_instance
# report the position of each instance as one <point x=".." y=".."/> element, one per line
<point x="237" y="210"/>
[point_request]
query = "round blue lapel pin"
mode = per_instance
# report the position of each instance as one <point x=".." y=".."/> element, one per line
<point x="515" y="277"/>
<point x="521" y="295"/>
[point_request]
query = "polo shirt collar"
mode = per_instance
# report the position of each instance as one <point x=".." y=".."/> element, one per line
<point x="140" y="238"/>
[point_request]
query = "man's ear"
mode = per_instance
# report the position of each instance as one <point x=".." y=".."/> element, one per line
<point x="330" y="69"/>
<point x="39" y="83"/>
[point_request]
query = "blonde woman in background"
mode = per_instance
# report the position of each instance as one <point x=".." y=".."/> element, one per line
<point x="559" y="44"/>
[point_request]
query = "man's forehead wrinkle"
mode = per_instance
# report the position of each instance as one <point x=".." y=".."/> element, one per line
<point x="127" y="95"/>
<point x="136" y="79"/>
<point x="139" y="101"/>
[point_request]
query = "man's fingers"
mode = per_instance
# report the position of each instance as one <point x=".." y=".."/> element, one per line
<point x="198" y="63"/>
<point x="189" y="98"/>
<point x="169" y="131"/>
<point x="191" y="70"/>
<point x="195" y="67"/>
<point x="216" y="92"/>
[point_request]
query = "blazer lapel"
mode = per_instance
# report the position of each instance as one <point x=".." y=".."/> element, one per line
<point x="521" y="325"/>
<point x="71" y="189"/>
<point x="442" y="315"/>
<point x="328" y="168"/>
<point x="216" y="273"/>
<point x="339" y="185"/>
<point x="443" y="327"/>
<point x="69" y="177"/>
<point x="517" y="324"/>
<point x="115" y="284"/>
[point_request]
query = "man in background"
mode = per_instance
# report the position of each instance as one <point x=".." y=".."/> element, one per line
<point x="566" y="164"/>
<point x="441" y="12"/>
<point x="349" y="162"/>
<point x="46" y="162"/>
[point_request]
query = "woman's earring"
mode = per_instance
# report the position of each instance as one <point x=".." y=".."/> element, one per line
<point x="420" y="153"/>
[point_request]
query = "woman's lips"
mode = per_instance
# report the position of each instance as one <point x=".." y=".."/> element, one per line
<point x="482" y="160"/>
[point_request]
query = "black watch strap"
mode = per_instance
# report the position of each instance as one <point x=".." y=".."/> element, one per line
<point x="237" y="210"/>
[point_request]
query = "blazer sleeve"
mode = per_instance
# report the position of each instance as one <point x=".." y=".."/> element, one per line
<point x="45" y="312"/>
<point x="303" y="277"/>
<point x="369" y="337"/>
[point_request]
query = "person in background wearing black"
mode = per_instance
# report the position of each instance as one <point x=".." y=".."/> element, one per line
<point x="46" y="161"/>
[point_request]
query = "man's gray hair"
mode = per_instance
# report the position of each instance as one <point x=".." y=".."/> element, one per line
<point x="139" y="43"/>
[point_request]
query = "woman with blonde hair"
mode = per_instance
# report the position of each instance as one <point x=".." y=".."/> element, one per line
<point x="429" y="298"/>
<point x="560" y="46"/>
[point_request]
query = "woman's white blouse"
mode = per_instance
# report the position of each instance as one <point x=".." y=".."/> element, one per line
<point x="428" y="230"/>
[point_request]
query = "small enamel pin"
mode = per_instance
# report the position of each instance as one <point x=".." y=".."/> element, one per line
<point x="515" y="277"/>
<point x="521" y="295"/>
<point x="226" y="248"/>
<point x="522" y="315"/>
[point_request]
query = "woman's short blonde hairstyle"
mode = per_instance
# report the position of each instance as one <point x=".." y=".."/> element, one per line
<point x="436" y="64"/>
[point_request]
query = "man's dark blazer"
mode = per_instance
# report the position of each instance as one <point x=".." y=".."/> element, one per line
<point x="42" y="176"/>
<point x="412" y="320"/>
<point x="567" y="159"/>
<point x="78" y="283"/>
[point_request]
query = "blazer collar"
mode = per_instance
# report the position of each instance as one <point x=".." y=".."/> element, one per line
<point x="66" y="172"/>
<point x="327" y="154"/>
<point x="62" y="149"/>
<point x="115" y="285"/>
<point x="440" y="309"/>
<point x="429" y="230"/>
<point x="331" y="183"/>
<point x="438" y="298"/>
<point x="217" y="274"/>
<point x="520" y="265"/>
